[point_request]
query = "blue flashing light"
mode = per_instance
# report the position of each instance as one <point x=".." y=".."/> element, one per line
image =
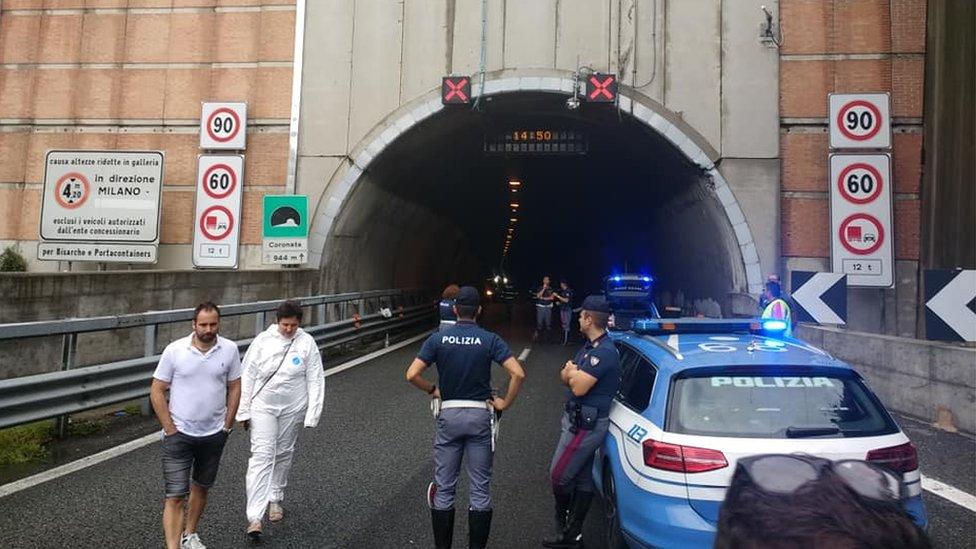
<point x="646" y="278"/>
<point x="616" y="278"/>
<point x="774" y="325"/>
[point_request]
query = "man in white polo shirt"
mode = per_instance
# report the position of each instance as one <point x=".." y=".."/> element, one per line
<point x="202" y="372"/>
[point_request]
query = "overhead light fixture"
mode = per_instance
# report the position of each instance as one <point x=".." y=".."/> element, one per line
<point x="514" y="183"/>
<point x="513" y="219"/>
<point x="514" y="205"/>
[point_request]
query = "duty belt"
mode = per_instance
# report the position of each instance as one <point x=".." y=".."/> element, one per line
<point x="448" y="404"/>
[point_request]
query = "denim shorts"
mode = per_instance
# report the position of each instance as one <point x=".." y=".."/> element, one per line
<point x="181" y="453"/>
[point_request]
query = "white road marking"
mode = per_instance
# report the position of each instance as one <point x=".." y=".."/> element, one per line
<point x="945" y="491"/>
<point x="106" y="455"/>
<point x="524" y="354"/>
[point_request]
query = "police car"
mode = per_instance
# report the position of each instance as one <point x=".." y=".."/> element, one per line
<point x="696" y="395"/>
<point x="630" y="296"/>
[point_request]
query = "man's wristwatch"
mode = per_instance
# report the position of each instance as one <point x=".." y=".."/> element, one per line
<point x="432" y="389"/>
<point x="228" y="430"/>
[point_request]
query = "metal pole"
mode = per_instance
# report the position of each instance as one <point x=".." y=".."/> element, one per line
<point x="258" y="323"/>
<point x="149" y="349"/>
<point x="320" y="311"/>
<point x="69" y="346"/>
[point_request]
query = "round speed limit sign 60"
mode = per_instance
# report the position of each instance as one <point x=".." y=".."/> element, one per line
<point x="860" y="183"/>
<point x="223" y="126"/>
<point x="219" y="180"/>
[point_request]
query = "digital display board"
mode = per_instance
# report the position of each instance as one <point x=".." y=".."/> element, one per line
<point x="536" y="141"/>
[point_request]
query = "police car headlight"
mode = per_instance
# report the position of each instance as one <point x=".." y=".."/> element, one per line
<point x="505" y="280"/>
<point x="774" y="325"/>
<point x="497" y="278"/>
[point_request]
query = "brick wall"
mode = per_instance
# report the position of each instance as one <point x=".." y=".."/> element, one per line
<point x="128" y="74"/>
<point x="847" y="46"/>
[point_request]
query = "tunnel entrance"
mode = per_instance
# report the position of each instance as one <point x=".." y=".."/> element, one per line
<point x="436" y="205"/>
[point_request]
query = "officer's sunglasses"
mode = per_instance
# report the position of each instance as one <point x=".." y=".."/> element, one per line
<point x="787" y="473"/>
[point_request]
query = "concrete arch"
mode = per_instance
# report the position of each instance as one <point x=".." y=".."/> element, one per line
<point x="682" y="136"/>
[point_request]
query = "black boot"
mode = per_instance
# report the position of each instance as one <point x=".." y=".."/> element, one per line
<point x="479" y="524"/>
<point x="577" y="515"/>
<point x="443" y="522"/>
<point x="563" y="505"/>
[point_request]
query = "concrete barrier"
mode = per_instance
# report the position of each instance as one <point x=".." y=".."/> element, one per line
<point x="911" y="376"/>
<point x="26" y="297"/>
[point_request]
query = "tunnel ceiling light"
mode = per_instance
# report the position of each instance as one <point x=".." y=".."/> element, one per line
<point x="514" y="204"/>
<point x="514" y="183"/>
<point x="513" y="219"/>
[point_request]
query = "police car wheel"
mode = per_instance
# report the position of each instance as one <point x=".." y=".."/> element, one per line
<point x="615" y="539"/>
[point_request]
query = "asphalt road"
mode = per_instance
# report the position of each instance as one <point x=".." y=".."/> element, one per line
<point x="359" y="479"/>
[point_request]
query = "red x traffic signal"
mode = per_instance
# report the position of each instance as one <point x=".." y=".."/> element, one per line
<point x="601" y="88"/>
<point x="455" y="90"/>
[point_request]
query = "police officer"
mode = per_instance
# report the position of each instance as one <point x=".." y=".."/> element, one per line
<point x="543" y="298"/>
<point x="446" y="306"/>
<point x="592" y="378"/>
<point x="564" y="296"/>
<point x="773" y="304"/>
<point x="465" y="411"/>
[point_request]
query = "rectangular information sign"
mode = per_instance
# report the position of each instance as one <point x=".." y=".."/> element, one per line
<point x="108" y="198"/>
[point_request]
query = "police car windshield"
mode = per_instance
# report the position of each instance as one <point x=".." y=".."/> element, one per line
<point x="736" y="404"/>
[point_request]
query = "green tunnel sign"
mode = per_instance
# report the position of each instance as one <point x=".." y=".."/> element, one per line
<point x="285" y="216"/>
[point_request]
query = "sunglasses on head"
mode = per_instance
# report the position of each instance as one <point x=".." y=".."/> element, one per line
<point x="787" y="473"/>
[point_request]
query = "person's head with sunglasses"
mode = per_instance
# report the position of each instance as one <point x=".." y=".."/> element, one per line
<point x="798" y="501"/>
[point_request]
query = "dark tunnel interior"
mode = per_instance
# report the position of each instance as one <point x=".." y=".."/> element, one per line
<point x="435" y="207"/>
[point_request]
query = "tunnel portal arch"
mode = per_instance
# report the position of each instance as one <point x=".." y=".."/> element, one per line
<point x="631" y="103"/>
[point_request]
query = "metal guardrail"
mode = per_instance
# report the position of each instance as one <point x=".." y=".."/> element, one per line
<point x="57" y="394"/>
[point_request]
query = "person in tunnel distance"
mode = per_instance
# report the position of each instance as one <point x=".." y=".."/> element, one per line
<point x="592" y="379"/>
<point x="465" y="413"/>
<point x="283" y="388"/>
<point x="543" y="298"/>
<point x="564" y="297"/>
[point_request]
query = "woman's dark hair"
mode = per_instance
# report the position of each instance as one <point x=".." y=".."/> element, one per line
<point x="823" y="513"/>
<point x="289" y="309"/>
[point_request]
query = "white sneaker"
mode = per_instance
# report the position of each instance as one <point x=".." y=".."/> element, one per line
<point x="191" y="541"/>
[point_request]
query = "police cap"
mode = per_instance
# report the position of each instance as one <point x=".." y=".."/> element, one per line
<point x="596" y="303"/>
<point x="467" y="296"/>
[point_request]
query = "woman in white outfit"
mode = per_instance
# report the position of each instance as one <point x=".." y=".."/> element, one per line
<point x="282" y="388"/>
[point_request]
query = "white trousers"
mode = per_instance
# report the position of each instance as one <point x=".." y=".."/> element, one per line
<point x="272" y="445"/>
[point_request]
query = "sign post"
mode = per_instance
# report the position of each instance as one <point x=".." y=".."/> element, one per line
<point x="860" y="219"/>
<point x="101" y="206"/>
<point x="216" y="224"/>
<point x="285" y="233"/>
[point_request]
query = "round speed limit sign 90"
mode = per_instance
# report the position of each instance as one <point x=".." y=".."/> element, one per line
<point x="223" y="126"/>
<point x="860" y="121"/>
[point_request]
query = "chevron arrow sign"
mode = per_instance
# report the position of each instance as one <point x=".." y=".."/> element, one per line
<point x="950" y="313"/>
<point x="819" y="297"/>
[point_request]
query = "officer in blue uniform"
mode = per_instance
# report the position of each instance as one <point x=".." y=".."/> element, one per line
<point x="446" y="306"/>
<point x="592" y="379"/>
<point x="465" y="411"/>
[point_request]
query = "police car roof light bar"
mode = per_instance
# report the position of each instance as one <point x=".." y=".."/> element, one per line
<point x="659" y="326"/>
